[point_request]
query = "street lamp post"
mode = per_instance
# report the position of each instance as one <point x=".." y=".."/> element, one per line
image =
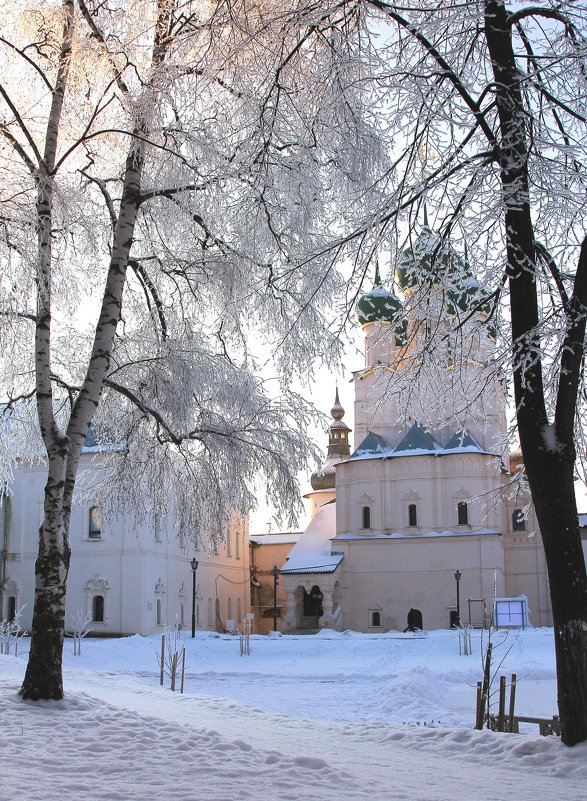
<point x="275" y="574"/>
<point x="458" y="581"/>
<point x="194" y="564"/>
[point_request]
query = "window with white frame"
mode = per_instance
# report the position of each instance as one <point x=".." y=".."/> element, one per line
<point x="97" y="598"/>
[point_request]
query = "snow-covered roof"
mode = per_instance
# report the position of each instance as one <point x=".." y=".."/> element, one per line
<point x="282" y="538"/>
<point x="417" y="442"/>
<point x="424" y="535"/>
<point x="312" y="552"/>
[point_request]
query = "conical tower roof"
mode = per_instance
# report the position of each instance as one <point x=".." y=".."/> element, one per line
<point x="338" y="449"/>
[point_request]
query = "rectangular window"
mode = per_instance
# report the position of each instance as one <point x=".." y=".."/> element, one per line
<point x="95" y="523"/>
<point x="366" y="517"/>
<point x="463" y="513"/>
<point x="518" y="520"/>
<point x="374" y="618"/>
<point x="412" y="515"/>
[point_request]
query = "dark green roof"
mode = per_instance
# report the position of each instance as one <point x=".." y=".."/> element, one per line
<point x="430" y="261"/>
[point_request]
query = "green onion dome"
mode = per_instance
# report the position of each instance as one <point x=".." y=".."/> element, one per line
<point x="378" y="305"/>
<point x="381" y="305"/>
<point x="468" y="296"/>
<point x="429" y="262"/>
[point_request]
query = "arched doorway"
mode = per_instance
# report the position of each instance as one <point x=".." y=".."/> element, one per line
<point x="313" y="602"/>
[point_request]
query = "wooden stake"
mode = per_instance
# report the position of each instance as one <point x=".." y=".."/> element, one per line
<point x="182" y="668"/>
<point x="173" y="670"/>
<point x="486" y="682"/>
<point x="478" y="713"/>
<point x="162" y="659"/>
<point x="501" y="716"/>
<point x="512" y="701"/>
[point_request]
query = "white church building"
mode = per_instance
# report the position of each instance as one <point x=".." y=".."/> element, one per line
<point x="126" y="575"/>
<point x="422" y="518"/>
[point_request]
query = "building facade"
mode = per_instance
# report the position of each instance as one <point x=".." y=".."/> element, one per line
<point x="424" y="518"/>
<point x="126" y="575"/>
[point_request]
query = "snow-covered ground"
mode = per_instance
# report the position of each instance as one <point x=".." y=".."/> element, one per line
<point x="327" y="717"/>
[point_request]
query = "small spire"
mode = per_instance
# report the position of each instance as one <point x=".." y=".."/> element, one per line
<point x="337" y="412"/>
<point x="377" y="278"/>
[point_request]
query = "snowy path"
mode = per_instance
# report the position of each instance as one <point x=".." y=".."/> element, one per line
<point x="118" y="736"/>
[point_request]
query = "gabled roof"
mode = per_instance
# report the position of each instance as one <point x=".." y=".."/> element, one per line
<point x="417" y="442"/>
<point x="418" y="439"/>
<point x="462" y="439"/>
<point x="372" y="445"/>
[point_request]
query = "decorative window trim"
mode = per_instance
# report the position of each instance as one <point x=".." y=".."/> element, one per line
<point x="365" y="502"/>
<point x="412" y="500"/>
<point x="10" y="589"/>
<point x="94" y="587"/>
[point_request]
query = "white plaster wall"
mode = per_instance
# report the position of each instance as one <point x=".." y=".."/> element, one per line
<point x="393" y="575"/>
<point x="132" y="561"/>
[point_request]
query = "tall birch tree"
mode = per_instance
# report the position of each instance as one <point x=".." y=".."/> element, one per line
<point x="168" y="168"/>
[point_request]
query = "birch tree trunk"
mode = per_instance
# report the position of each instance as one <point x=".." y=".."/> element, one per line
<point x="43" y="677"/>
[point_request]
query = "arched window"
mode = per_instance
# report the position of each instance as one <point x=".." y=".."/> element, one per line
<point x="229" y="609"/>
<point x="11" y="608"/>
<point x="463" y="513"/>
<point x="228" y="544"/>
<point x="518" y="520"/>
<point x="210" y="615"/>
<point x="375" y="621"/>
<point x="98" y="609"/>
<point x="159" y="612"/>
<point x="412" y="515"/>
<point x="181" y="616"/>
<point x="239" y="613"/>
<point x="366" y="517"/>
<point x="95" y="523"/>
<point x="237" y="544"/>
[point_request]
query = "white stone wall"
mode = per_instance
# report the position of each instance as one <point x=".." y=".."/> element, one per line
<point x="132" y="564"/>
